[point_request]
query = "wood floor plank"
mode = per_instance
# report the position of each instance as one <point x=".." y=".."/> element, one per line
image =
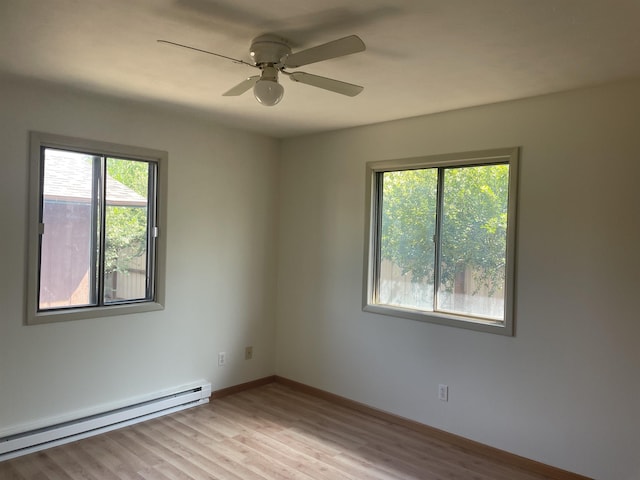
<point x="271" y="432"/>
<point x="174" y="453"/>
<point x="74" y="469"/>
<point x="158" y="473"/>
<point x="206" y="450"/>
<point x="291" y="457"/>
<point x="38" y="468"/>
<point x="9" y="472"/>
<point x="84" y="453"/>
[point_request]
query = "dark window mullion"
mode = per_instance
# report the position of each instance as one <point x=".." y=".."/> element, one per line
<point x="377" y="239"/>
<point x="437" y="238"/>
<point x="100" y="201"/>
<point x="41" y="226"/>
<point x="152" y="230"/>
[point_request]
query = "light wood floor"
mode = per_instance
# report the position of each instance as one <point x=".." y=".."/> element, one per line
<point x="269" y="432"/>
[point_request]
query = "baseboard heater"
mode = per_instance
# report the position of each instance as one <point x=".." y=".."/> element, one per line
<point x="34" y="440"/>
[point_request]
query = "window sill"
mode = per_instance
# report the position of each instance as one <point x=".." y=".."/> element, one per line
<point x="440" y="318"/>
<point x="82" y="313"/>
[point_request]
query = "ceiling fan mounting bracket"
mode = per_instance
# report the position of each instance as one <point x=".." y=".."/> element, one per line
<point x="269" y="49"/>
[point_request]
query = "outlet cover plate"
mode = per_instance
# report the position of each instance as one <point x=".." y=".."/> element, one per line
<point x="443" y="392"/>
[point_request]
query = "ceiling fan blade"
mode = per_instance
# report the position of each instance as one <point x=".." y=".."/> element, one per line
<point x="242" y="87"/>
<point x="327" y="83"/>
<point x="337" y="48"/>
<point x="206" y="51"/>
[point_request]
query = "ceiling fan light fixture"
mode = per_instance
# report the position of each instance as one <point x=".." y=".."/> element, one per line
<point x="268" y="92"/>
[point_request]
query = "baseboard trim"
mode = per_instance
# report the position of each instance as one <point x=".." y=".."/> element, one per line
<point x="242" y="386"/>
<point x="461" y="442"/>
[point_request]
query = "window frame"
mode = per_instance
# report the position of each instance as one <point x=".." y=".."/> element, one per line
<point x="38" y="141"/>
<point x="374" y="170"/>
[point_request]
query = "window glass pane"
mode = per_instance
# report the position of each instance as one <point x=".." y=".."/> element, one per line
<point x="126" y="231"/>
<point x="407" y="228"/>
<point x="67" y="264"/>
<point x="473" y="241"/>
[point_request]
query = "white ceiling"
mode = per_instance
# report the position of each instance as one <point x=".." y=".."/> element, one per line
<point x="423" y="56"/>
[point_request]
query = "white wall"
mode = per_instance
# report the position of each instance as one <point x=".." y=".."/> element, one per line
<point x="565" y="390"/>
<point x="220" y="263"/>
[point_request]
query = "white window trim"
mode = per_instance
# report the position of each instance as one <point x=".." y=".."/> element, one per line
<point x="37" y="140"/>
<point x="503" y="155"/>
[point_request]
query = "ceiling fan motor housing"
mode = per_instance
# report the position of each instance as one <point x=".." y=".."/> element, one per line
<point x="269" y="50"/>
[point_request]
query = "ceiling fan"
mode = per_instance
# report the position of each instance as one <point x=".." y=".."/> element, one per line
<point x="272" y="55"/>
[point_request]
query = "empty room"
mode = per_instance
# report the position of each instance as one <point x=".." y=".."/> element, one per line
<point x="319" y="240"/>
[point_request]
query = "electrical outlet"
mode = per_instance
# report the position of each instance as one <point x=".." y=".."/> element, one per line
<point x="443" y="392"/>
<point x="248" y="353"/>
<point x="222" y="359"/>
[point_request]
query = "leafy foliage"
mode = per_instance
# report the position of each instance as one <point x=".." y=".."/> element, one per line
<point x="473" y="227"/>
<point x="126" y="226"/>
<point x="409" y="220"/>
<point x="474" y="223"/>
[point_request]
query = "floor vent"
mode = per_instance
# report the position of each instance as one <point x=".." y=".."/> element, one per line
<point x="34" y="440"/>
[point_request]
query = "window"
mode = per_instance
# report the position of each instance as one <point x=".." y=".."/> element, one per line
<point x="96" y="218"/>
<point x="441" y="239"/>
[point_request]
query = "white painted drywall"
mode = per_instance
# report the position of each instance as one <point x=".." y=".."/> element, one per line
<point x="220" y="263"/>
<point x="566" y="389"/>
